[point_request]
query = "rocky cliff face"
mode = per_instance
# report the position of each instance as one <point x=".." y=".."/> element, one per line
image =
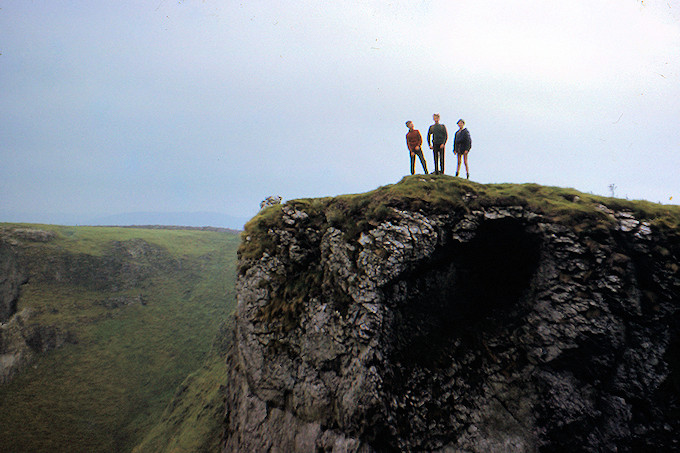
<point x="20" y="339"/>
<point x="486" y="327"/>
<point x="11" y="279"/>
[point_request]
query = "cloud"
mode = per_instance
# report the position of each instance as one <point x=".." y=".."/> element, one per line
<point x="201" y="105"/>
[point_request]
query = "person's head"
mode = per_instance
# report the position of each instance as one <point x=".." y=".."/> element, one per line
<point x="435" y="117"/>
<point x="409" y="124"/>
<point x="461" y="124"/>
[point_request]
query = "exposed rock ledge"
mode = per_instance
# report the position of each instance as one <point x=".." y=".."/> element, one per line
<point x="493" y="329"/>
<point x="21" y="339"/>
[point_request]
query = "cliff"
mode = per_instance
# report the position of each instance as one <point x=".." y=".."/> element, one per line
<point x="442" y="315"/>
<point x="11" y="279"/>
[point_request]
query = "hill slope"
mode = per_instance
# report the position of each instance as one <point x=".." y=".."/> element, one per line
<point x="106" y="326"/>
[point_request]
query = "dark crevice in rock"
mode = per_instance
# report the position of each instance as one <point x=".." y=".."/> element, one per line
<point x="12" y="277"/>
<point x="465" y="290"/>
<point x="445" y="312"/>
<point x="588" y="361"/>
<point x="670" y="388"/>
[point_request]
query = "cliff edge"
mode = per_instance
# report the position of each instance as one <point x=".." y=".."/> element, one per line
<point x="442" y="315"/>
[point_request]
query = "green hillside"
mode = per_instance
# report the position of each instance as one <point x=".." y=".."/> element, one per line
<point x="140" y="309"/>
<point x="192" y="421"/>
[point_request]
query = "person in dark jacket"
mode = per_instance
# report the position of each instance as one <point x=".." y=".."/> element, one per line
<point x="439" y="135"/>
<point x="414" y="142"/>
<point x="462" y="143"/>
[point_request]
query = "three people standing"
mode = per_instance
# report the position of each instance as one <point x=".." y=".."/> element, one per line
<point x="437" y="136"/>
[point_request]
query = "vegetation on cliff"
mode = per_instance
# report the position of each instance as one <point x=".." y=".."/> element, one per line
<point x="193" y="420"/>
<point x="357" y="213"/>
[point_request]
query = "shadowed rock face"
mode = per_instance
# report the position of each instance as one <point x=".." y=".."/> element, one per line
<point x="11" y="279"/>
<point x="493" y="330"/>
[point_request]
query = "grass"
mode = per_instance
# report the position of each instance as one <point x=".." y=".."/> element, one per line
<point x="192" y="422"/>
<point x="107" y="391"/>
<point x="95" y="240"/>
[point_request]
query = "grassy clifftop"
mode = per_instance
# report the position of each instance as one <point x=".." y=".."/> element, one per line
<point x="431" y="195"/>
<point x="356" y="213"/>
<point x="141" y="308"/>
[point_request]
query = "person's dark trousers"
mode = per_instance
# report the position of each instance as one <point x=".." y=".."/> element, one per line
<point x="418" y="153"/>
<point x="438" y="158"/>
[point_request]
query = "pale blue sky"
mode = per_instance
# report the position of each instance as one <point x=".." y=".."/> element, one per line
<point x="210" y="106"/>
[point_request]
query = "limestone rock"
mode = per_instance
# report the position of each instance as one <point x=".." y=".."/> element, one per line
<point x="270" y="201"/>
<point x="21" y="339"/>
<point x="491" y="329"/>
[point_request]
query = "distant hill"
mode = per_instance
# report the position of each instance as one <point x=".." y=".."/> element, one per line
<point x="192" y="219"/>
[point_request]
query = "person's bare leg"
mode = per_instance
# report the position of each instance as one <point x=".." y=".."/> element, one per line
<point x="458" y="167"/>
<point x="467" y="170"/>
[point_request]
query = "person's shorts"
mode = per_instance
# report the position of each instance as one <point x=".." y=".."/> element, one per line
<point x="461" y="151"/>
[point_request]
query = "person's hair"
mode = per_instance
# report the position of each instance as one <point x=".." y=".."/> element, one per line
<point x="460" y="121"/>
<point x="409" y="121"/>
<point x="436" y="114"/>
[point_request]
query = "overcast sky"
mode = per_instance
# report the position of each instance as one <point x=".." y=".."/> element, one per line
<point x="210" y="106"/>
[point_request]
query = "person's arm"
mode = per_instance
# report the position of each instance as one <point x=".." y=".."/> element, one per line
<point x="429" y="133"/>
<point x="420" y="140"/>
<point x="446" y="134"/>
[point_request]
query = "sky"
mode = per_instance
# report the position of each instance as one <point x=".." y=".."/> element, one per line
<point x="112" y="108"/>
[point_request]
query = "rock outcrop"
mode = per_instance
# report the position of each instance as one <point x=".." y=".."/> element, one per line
<point x="21" y="338"/>
<point x="11" y="279"/>
<point x="486" y="327"/>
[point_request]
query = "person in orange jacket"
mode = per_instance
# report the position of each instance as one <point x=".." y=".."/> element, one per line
<point x="414" y="142"/>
